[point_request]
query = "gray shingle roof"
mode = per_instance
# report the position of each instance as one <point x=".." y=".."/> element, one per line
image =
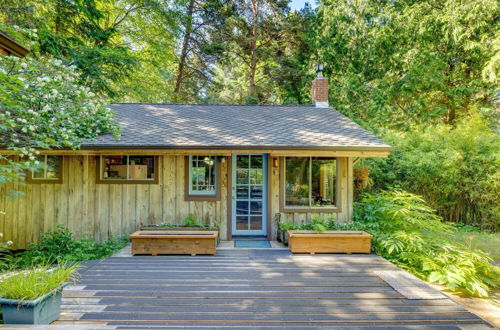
<point x="235" y="126"/>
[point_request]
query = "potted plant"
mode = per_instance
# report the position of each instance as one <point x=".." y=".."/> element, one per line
<point x="34" y="296"/>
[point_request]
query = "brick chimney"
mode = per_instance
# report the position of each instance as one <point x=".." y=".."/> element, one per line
<point x="320" y="88"/>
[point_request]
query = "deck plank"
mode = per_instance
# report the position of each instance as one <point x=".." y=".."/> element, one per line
<point x="251" y="289"/>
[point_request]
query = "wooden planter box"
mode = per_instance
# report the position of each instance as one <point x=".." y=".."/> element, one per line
<point x="335" y="241"/>
<point x="177" y="228"/>
<point x="174" y="242"/>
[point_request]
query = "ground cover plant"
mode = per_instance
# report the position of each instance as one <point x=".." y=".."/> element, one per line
<point x="475" y="238"/>
<point x="407" y="232"/>
<point x="59" y="246"/>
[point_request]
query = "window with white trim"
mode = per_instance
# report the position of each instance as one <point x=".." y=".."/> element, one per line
<point x="203" y="175"/>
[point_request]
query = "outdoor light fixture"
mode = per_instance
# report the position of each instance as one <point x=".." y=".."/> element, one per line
<point x="275" y="162"/>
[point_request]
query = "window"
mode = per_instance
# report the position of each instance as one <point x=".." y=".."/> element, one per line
<point x="128" y="169"/>
<point x="51" y="171"/>
<point x="202" y="175"/>
<point x="202" y="182"/>
<point x="309" y="182"/>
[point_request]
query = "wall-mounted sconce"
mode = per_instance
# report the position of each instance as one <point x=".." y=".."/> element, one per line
<point x="223" y="159"/>
<point x="275" y="162"/>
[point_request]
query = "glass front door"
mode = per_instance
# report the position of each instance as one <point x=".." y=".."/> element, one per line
<point x="249" y="194"/>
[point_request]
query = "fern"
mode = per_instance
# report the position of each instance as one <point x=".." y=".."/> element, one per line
<point x="407" y="232"/>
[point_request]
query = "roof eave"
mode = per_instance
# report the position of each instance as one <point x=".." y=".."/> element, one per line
<point x="12" y="46"/>
<point x="234" y="147"/>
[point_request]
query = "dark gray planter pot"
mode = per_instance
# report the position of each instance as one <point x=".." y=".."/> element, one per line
<point x="43" y="310"/>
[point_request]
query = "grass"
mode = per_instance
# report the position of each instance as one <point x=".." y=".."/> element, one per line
<point x="481" y="240"/>
<point x="32" y="284"/>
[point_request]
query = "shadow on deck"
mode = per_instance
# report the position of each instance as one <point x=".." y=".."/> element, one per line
<point x="252" y="289"/>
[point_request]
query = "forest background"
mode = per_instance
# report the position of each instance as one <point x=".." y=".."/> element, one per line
<point x="421" y="74"/>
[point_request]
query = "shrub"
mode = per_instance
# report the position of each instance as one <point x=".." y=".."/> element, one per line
<point x="34" y="283"/>
<point x="59" y="246"/>
<point x="43" y="106"/>
<point x="456" y="169"/>
<point x="408" y="233"/>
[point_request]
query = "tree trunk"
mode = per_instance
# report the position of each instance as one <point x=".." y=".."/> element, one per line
<point x="185" y="46"/>
<point x="58" y="17"/>
<point x="253" y="49"/>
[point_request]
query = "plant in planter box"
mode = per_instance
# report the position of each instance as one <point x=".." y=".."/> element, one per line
<point x="34" y="296"/>
<point x="190" y="223"/>
<point x="283" y="228"/>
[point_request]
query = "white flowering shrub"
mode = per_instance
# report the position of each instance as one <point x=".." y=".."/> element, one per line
<point x="43" y="107"/>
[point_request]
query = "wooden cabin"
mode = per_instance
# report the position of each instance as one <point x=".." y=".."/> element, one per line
<point x="9" y="46"/>
<point x="238" y="165"/>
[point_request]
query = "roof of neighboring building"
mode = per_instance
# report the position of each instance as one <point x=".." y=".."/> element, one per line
<point x="11" y="46"/>
<point x="235" y="126"/>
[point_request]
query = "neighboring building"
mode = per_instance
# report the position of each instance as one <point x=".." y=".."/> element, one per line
<point x="235" y="164"/>
<point x="9" y="47"/>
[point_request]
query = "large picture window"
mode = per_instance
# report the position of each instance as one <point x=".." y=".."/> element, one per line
<point x="310" y="182"/>
<point x="51" y="171"/>
<point x="202" y="182"/>
<point x="128" y="169"/>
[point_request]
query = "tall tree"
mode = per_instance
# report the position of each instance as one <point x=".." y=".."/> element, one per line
<point x="196" y="56"/>
<point x="82" y="33"/>
<point x="400" y="62"/>
<point x="248" y="37"/>
<point x="295" y="57"/>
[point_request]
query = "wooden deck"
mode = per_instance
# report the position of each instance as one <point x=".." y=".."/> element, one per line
<point x="253" y="289"/>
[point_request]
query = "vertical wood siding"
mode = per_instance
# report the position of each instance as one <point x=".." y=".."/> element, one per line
<point x="101" y="211"/>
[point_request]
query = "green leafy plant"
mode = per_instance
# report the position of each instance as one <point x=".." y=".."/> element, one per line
<point x="165" y="225"/>
<point x="4" y="251"/>
<point x="34" y="283"/>
<point x="59" y="246"/>
<point x="456" y="169"/>
<point x="284" y="226"/>
<point x="192" y="221"/>
<point x="408" y="233"/>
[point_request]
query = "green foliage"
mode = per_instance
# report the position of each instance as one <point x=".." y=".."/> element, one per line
<point x="4" y="250"/>
<point x="81" y="33"/>
<point x="395" y="63"/>
<point x="59" y="246"/>
<point x="34" y="283"/>
<point x="456" y="169"/>
<point x="407" y="232"/>
<point x="192" y="221"/>
<point x="43" y="107"/>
